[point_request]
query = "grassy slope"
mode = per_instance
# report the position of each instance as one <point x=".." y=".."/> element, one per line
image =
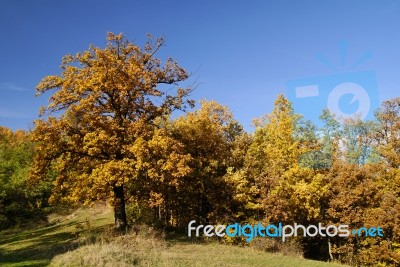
<point x="69" y="241"/>
<point x="36" y="247"/>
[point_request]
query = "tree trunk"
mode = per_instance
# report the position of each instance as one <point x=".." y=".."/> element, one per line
<point x="119" y="208"/>
<point x="330" y="249"/>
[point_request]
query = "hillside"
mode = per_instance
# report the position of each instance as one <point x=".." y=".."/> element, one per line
<point x="85" y="238"/>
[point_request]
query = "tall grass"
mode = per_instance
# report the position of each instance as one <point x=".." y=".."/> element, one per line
<point x="146" y="247"/>
<point x="139" y="247"/>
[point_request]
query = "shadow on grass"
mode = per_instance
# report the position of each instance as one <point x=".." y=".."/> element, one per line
<point x="37" y="247"/>
<point x="10" y="236"/>
<point x="41" y="250"/>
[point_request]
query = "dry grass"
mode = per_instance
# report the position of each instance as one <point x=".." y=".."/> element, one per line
<point x="147" y="247"/>
<point x="106" y="249"/>
<point x="85" y="238"/>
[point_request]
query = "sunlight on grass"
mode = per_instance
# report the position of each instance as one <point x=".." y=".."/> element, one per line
<point x="139" y="251"/>
<point x="36" y="247"/>
<point x="85" y="238"/>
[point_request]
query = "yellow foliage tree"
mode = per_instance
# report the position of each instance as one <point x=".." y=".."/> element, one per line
<point x="102" y="113"/>
<point x="208" y="135"/>
<point x="273" y="182"/>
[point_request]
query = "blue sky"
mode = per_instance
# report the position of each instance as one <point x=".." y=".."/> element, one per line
<point x="241" y="53"/>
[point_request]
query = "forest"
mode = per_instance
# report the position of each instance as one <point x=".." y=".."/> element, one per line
<point x="120" y="127"/>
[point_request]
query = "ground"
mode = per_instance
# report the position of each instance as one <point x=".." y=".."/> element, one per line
<point x="85" y="238"/>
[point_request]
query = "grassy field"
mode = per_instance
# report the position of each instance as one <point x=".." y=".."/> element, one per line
<point x="85" y="238"/>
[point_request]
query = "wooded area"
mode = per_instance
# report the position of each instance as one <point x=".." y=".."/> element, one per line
<point x="109" y="133"/>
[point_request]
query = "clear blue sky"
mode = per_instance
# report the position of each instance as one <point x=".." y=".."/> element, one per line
<point x="242" y="53"/>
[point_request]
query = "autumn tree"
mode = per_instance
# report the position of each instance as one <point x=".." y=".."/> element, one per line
<point x="186" y="162"/>
<point x="364" y="196"/>
<point x="277" y="183"/>
<point x="271" y="181"/>
<point x="208" y="136"/>
<point x="273" y="152"/>
<point x="102" y="111"/>
<point x="388" y="133"/>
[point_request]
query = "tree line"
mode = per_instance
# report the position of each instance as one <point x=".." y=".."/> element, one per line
<point x="109" y="133"/>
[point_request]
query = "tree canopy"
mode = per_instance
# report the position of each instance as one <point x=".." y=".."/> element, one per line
<point x="105" y="105"/>
<point x="109" y="132"/>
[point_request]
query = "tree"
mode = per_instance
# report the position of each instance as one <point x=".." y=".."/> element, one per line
<point x="358" y="141"/>
<point x="105" y="105"/>
<point x="306" y="134"/>
<point x="19" y="201"/>
<point x="274" y="151"/>
<point x="199" y="147"/>
<point x="277" y="182"/>
<point x="208" y="135"/>
<point x="388" y="117"/>
<point x="365" y="196"/>
<point x="331" y="133"/>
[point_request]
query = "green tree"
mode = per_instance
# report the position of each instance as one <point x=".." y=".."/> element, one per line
<point x="358" y="141"/>
<point x="331" y="134"/>
<point x="103" y="109"/>
<point x="313" y="157"/>
<point x="20" y="202"/>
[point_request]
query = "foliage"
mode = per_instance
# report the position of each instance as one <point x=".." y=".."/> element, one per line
<point x="206" y="139"/>
<point x="20" y="202"/>
<point x="109" y="100"/>
<point x="109" y="132"/>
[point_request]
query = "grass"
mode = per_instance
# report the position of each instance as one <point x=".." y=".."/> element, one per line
<point x="36" y="247"/>
<point x="184" y="254"/>
<point x="85" y="238"/>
